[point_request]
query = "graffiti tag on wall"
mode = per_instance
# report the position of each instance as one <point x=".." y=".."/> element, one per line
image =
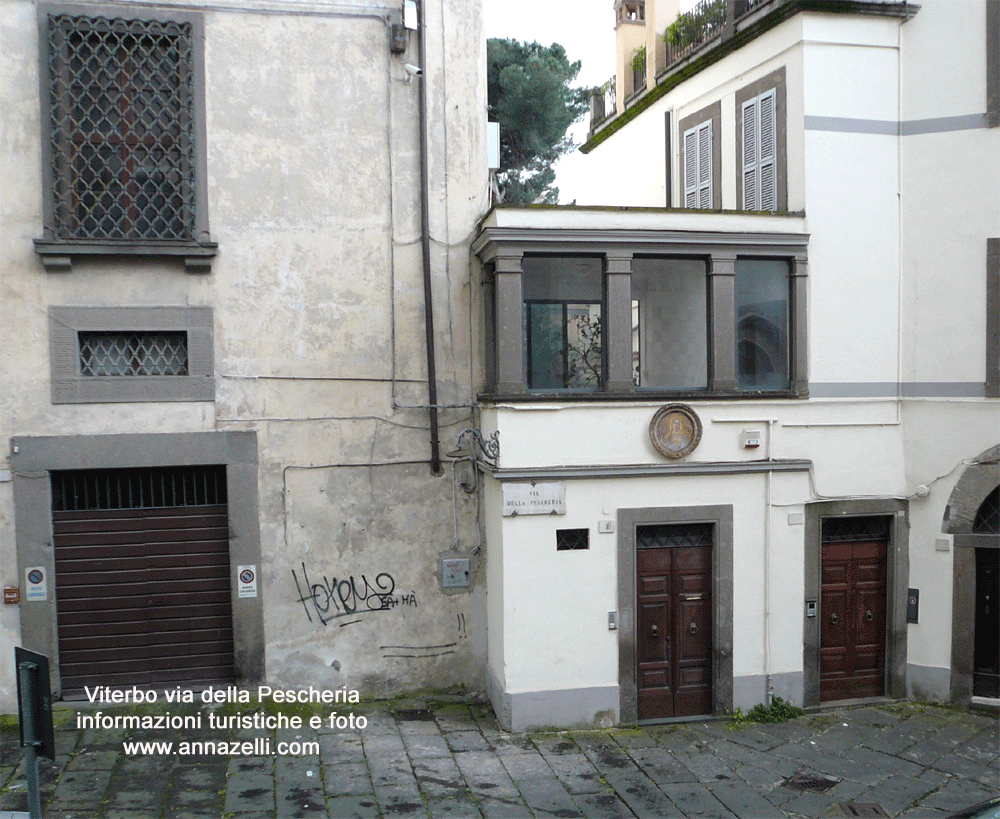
<point x="329" y="597"/>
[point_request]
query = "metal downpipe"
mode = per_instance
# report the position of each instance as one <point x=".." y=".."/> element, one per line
<point x="425" y="246"/>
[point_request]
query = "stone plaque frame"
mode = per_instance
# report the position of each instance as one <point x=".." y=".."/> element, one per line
<point x="675" y="431"/>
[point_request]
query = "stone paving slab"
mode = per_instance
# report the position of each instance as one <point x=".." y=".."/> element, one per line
<point x="452" y="760"/>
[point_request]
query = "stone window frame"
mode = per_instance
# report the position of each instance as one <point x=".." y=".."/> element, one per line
<point x="502" y="251"/>
<point x="713" y="114"/>
<point x="70" y="387"/>
<point x="57" y="254"/>
<point x="896" y="586"/>
<point x="775" y="81"/>
<point x="34" y="458"/>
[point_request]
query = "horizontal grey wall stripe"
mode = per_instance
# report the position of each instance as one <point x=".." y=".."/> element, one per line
<point x="937" y="125"/>
<point x="890" y="389"/>
<point x="848" y="125"/>
<point x="890" y="127"/>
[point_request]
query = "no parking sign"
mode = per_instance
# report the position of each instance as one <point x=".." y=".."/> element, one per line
<point x="246" y="577"/>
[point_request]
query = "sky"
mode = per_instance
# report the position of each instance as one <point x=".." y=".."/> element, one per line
<point x="586" y="29"/>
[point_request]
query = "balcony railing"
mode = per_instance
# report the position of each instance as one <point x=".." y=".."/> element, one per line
<point x="705" y="22"/>
<point x="639" y="71"/>
<point x="603" y="102"/>
<point x="693" y="28"/>
<point x="707" y="25"/>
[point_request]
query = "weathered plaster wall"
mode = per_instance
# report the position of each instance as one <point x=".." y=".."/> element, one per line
<point x="313" y="183"/>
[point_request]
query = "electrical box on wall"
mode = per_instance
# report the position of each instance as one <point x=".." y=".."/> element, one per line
<point x="752" y="438"/>
<point x="455" y="572"/>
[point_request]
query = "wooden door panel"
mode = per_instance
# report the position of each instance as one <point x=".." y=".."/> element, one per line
<point x="651" y="561"/>
<point x="654" y="628"/>
<point x="834" y="574"/>
<point x="986" y="641"/>
<point x="653" y="625"/>
<point x="834" y="612"/>
<point x="693" y="627"/>
<point x="833" y="661"/>
<point x="852" y="631"/>
<point x="673" y="660"/>
<point x="694" y="635"/>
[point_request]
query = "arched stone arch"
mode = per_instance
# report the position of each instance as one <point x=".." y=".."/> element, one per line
<point x="978" y="480"/>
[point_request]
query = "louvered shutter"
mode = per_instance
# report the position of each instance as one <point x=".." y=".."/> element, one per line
<point x="698" y="166"/>
<point x="766" y="151"/>
<point x="750" y="186"/>
<point x="705" y="165"/>
<point x="691" y="168"/>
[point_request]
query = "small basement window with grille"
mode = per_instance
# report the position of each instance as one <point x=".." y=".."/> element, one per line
<point x="571" y="539"/>
<point x="165" y="354"/>
<point x="133" y="353"/>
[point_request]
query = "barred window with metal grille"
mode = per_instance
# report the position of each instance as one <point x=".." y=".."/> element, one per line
<point x="121" y="128"/>
<point x="572" y="539"/>
<point x="133" y="353"/>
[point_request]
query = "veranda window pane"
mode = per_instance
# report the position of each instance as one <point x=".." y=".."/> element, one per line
<point x="563" y="337"/>
<point x="762" y="287"/>
<point x="670" y="324"/>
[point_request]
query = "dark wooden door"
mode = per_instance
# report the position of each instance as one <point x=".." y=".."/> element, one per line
<point x="852" y="653"/>
<point x="986" y="652"/>
<point x="674" y="626"/>
<point x="143" y="596"/>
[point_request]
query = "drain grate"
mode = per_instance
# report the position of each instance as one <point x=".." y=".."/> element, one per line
<point x="414" y="715"/>
<point x="810" y="783"/>
<point x="863" y="809"/>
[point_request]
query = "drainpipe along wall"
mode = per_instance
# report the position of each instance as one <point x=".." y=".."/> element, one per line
<point x="425" y="246"/>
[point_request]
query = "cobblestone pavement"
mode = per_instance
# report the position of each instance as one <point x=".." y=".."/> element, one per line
<point x="451" y="760"/>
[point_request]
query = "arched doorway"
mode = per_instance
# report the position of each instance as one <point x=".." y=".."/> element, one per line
<point x="973" y="517"/>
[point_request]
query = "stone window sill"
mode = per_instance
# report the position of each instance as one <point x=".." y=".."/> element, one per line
<point x="58" y="255"/>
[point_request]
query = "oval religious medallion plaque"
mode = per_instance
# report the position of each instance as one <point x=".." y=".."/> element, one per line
<point x="675" y="430"/>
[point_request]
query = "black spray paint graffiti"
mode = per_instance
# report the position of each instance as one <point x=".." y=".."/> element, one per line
<point x="332" y="598"/>
<point x="419" y="652"/>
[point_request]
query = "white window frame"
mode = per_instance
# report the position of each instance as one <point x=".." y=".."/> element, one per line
<point x="698" y="166"/>
<point x="760" y="183"/>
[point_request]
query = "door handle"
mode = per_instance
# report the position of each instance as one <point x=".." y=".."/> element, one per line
<point x="834" y="619"/>
<point x="693" y="628"/>
<point x="869" y="615"/>
<point x="654" y="630"/>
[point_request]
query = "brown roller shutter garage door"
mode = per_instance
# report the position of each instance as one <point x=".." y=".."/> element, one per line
<point x="142" y="577"/>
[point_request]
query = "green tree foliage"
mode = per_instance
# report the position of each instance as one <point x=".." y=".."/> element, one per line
<point x="531" y="97"/>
